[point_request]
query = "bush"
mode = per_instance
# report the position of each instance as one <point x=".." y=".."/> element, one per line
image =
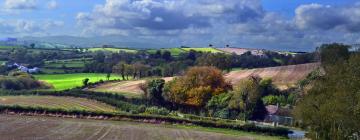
<point x="157" y="111"/>
<point x="20" y="82"/>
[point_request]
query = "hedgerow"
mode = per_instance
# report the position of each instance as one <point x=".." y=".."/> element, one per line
<point x="278" y="131"/>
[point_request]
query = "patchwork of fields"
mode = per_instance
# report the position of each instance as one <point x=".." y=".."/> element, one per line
<point x="66" y="103"/>
<point x="68" y="81"/>
<point x="43" y="128"/>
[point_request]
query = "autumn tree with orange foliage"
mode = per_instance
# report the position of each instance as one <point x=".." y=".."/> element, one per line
<point x="196" y="87"/>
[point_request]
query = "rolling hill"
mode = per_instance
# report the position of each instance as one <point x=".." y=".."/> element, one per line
<point x="283" y="77"/>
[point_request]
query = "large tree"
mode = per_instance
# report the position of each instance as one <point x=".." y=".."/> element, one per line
<point x="246" y="98"/>
<point x="120" y="68"/>
<point x="196" y="87"/>
<point x="331" y="109"/>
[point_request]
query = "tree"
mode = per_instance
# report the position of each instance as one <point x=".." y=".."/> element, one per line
<point x="108" y="76"/>
<point x="154" y="91"/>
<point x="218" y="106"/>
<point x="139" y="69"/>
<point x="32" y="45"/>
<point x="166" y="55"/>
<point x="331" y="54"/>
<point x="221" y="61"/>
<point x="86" y="82"/>
<point x="99" y="57"/>
<point x="196" y="87"/>
<point x="331" y="109"/>
<point x="246" y="98"/>
<point x="120" y="68"/>
<point x="129" y="69"/>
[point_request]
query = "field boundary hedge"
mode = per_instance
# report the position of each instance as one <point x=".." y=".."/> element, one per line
<point x="82" y="114"/>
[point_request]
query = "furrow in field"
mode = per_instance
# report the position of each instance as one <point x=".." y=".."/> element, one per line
<point x="32" y="127"/>
<point x="56" y="102"/>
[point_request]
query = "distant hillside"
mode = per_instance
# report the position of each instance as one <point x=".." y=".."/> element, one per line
<point x="282" y="76"/>
<point x="86" y="42"/>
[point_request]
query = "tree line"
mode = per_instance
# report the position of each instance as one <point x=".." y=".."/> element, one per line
<point x="330" y="109"/>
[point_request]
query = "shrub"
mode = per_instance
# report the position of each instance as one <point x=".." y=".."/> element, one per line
<point x="157" y="111"/>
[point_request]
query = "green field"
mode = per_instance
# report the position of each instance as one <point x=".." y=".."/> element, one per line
<point x="7" y="47"/>
<point x="68" y="81"/>
<point x="52" y="71"/>
<point x="112" y="50"/>
<point x="212" y="50"/>
<point x="173" y="51"/>
<point x="67" y="64"/>
<point x="66" y="103"/>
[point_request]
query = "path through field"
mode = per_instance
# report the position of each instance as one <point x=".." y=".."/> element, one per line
<point x="282" y="77"/>
<point x="66" y="103"/>
<point x="46" y="128"/>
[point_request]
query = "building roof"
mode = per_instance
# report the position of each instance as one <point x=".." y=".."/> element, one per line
<point x="276" y="110"/>
<point x="272" y="109"/>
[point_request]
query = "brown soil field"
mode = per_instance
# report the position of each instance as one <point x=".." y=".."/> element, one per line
<point x="240" y="51"/>
<point x="16" y="127"/>
<point x="283" y="77"/>
<point x="57" y="102"/>
<point x="130" y="87"/>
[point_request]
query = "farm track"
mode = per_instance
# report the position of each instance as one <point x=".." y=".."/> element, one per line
<point x="44" y="128"/>
<point x="56" y="102"/>
<point x="283" y="77"/>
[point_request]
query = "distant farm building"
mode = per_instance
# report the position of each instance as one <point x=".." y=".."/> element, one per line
<point x="278" y="115"/>
<point x="23" y="68"/>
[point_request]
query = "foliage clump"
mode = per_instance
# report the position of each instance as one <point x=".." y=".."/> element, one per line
<point x="196" y="87"/>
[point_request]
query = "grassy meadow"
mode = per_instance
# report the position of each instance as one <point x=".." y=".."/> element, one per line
<point x="212" y="50"/>
<point x="68" y="81"/>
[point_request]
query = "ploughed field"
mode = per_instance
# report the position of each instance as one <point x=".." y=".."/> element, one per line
<point x="128" y="88"/>
<point x="44" y="128"/>
<point x="66" y="103"/>
<point x="282" y="77"/>
<point x="240" y="51"/>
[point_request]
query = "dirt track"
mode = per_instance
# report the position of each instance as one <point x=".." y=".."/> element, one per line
<point x="46" y="128"/>
<point x="282" y="77"/>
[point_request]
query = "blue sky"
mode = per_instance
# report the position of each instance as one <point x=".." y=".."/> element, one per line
<point x="269" y="24"/>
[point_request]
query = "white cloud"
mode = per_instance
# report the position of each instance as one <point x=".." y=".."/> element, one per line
<point x="326" y="17"/>
<point x="158" y="19"/>
<point x="52" y="4"/>
<point x="20" y="4"/>
<point x="20" y="27"/>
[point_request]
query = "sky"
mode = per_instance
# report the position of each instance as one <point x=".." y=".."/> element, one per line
<point x="266" y="24"/>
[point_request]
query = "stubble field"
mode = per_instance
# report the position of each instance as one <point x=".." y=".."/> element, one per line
<point x="45" y="128"/>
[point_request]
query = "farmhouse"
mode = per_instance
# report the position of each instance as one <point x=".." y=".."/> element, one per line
<point x="23" y="68"/>
<point x="278" y="115"/>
